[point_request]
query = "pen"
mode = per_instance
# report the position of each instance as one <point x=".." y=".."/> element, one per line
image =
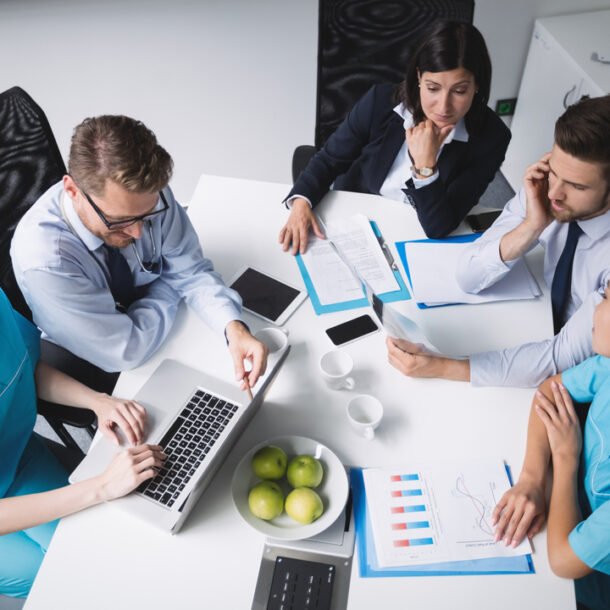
<point x="322" y="224"/>
<point x="386" y="252"/>
<point x="248" y="390"/>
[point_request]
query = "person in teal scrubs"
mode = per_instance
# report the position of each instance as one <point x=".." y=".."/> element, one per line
<point x="578" y="533"/>
<point x="34" y="490"/>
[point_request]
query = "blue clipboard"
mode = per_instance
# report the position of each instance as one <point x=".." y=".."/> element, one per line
<point x="402" y="294"/>
<point x="369" y="568"/>
<point x="402" y="253"/>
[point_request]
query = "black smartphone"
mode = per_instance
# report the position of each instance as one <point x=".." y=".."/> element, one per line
<point x="481" y="222"/>
<point x="352" y="329"/>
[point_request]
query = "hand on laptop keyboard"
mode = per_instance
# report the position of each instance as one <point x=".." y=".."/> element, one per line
<point x="126" y="415"/>
<point x="128" y="469"/>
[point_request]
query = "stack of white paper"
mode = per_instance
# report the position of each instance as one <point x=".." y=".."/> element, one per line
<point x="433" y="267"/>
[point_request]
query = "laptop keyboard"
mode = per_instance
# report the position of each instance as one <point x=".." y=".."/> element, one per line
<point x="299" y="584"/>
<point x="186" y="444"/>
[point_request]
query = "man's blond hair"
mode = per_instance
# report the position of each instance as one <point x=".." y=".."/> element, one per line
<point x="119" y="149"/>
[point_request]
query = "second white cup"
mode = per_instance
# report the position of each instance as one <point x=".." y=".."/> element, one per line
<point x="336" y="367"/>
<point x="364" y="413"/>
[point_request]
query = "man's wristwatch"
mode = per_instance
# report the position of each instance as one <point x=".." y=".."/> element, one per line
<point x="425" y="172"/>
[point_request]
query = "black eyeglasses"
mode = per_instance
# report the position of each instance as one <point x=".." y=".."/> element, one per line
<point x="126" y="222"/>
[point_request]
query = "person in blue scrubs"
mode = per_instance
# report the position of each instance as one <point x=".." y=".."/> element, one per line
<point x="34" y="490"/>
<point x="578" y="533"/>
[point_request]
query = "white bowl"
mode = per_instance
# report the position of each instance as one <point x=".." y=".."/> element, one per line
<point x="333" y="490"/>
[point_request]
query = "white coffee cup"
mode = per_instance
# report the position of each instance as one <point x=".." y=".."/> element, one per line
<point x="276" y="339"/>
<point x="364" y="413"/>
<point x="335" y="367"/>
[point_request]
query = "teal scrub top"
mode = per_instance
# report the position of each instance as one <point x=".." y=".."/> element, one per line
<point x="19" y="353"/>
<point x="590" y="382"/>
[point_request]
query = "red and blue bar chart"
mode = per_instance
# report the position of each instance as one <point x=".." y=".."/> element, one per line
<point x="409" y="499"/>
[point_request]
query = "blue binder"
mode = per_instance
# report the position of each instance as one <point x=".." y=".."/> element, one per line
<point x="457" y="239"/>
<point x="388" y="297"/>
<point x="369" y="567"/>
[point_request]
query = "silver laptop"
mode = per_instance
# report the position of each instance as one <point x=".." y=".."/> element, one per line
<point x="197" y="419"/>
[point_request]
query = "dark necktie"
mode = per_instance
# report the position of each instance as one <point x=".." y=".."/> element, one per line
<point x="562" y="280"/>
<point x="121" y="278"/>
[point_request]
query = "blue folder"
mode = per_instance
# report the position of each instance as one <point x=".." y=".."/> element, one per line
<point x="369" y="567"/>
<point x="402" y="294"/>
<point x="457" y="239"/>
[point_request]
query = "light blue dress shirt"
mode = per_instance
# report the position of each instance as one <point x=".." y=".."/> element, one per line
<point x="61" y="269"/>
<point x="480" y="266"/>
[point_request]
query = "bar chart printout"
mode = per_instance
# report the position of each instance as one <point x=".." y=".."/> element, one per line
<point x="437" y="513"/>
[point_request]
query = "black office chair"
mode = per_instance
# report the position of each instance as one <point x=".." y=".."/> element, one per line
<point x="361" y="43"/>
<point x="30" y="162"/>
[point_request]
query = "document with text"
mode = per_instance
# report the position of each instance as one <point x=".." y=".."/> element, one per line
<point x="333" y="280"/>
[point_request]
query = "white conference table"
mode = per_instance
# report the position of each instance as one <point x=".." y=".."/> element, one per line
<point x="104" y="558"/>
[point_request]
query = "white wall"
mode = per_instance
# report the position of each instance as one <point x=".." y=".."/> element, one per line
<point x="227" y="85"/>
<point x="508" y="25"/>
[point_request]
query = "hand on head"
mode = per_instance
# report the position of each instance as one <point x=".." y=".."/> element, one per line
<point x="536" y="185"/>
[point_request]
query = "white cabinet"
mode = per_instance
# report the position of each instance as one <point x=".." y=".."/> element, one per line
<point x="558" y="72"/>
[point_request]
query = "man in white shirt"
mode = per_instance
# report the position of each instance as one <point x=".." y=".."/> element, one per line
<point x="564" y="207"/>
<point x="105" y="256"/>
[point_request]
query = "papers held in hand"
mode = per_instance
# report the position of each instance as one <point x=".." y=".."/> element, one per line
<point x="399" y="326"/>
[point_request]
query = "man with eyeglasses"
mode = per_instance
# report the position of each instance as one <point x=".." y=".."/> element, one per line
<point x="105" y="256"/>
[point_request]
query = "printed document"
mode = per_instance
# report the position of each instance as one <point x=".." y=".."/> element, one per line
<point x="433" y="267"/>
<point x="425" y="514"/>
<point x="333" y="280"/>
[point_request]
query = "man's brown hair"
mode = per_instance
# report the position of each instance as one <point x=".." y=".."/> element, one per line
<point x="120" y="149"/>
<point x="583" y="131"/>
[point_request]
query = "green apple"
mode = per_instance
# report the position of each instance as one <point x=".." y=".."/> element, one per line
<point x="270" y="462"/>
<point x="304" y="505"/>
<point x="266" y="500"/>
<point x="304" y="471"/>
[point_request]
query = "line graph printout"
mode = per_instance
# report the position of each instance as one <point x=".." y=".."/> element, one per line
<point x="437" y="512"/>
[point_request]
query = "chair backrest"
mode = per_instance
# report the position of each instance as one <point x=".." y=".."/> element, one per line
<point x="364" y="42"/>
<point x="30" y="162"/>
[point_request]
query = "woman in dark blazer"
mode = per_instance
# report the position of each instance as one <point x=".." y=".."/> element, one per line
<point x="430" y="141"/>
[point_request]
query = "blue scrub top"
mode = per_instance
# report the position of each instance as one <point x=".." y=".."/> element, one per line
<point x="590" y="539"/>
<point x="19" y="352"/>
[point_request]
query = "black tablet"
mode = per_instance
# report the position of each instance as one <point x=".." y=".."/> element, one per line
<point x="267" y="297"/>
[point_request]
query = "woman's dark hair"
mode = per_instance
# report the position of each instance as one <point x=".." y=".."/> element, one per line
<point x="448" y="45"/>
